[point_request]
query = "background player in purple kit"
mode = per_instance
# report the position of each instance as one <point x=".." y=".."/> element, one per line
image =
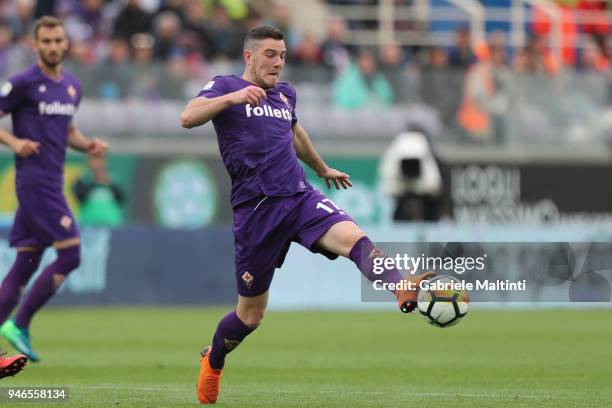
<point x="42" y="101"/>
<point x="260" y="141"/>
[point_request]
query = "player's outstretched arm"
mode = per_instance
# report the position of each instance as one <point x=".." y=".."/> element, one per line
<point x="77" y="141"/>
<point x="21" y="147"/>
<point x="307" y="153"/>
<point x="200" y="110"/>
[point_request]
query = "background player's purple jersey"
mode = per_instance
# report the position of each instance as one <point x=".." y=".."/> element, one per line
<point x="42" y="110"/>
<point x="256" y="142"/>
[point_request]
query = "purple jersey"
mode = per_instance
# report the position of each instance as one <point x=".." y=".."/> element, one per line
<point x="42" y="110"/>
<point x="256" y="142"/>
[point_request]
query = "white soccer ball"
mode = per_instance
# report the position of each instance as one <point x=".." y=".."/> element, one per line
<point x="442" y="303"/>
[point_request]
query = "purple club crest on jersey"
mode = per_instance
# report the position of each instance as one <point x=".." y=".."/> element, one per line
<point x="284" y="99"/>
<point x="248" y="279"/>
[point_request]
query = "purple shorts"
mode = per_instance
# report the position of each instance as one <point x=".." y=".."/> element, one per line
<point x="43" y="217"/>
<point x="264" y="229"/>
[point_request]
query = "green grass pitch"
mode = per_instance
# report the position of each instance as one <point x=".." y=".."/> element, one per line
<point x="136" y="357"/>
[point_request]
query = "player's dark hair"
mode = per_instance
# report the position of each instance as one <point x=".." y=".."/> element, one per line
<point x="47" y="22"/>
<point x="261" y="33"/>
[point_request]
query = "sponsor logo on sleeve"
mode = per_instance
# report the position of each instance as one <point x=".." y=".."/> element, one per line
<point x="66" y="222"/>
<point x="72" y="91"/>
<point x="6" y="89"/>
<point x="208" y="86"/>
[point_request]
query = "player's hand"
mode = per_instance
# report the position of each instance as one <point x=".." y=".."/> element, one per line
<point x="332" y="175"/>
<point x="97" y="148"/>
<point x="26" y="147"/>
<point x="250" y="95"/>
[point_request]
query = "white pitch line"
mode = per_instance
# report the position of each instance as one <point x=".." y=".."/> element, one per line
<point x="335" y="391"/>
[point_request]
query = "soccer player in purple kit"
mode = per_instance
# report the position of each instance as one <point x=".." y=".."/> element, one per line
<point x="42" y="101"/>
<point x="260" y="141"/>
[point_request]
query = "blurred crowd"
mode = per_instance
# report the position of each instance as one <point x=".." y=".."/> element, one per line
<point x="160" y="49"/>
<point x="126" y="46"/>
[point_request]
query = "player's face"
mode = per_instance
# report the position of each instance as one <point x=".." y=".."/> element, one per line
<point x="51" y="45"/>
<point x="266" y="61"/>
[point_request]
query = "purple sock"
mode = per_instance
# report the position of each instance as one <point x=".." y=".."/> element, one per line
<point x="45" y="287"/>
<point x="24" y="267"/>
<point x="230" y="332"/>
<point x="363" y="254"/>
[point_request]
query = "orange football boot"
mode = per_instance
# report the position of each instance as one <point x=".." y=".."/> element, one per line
<point x="209" y="380"/>
<point x="407" y="299"/>
<point x="9" y="366"/>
